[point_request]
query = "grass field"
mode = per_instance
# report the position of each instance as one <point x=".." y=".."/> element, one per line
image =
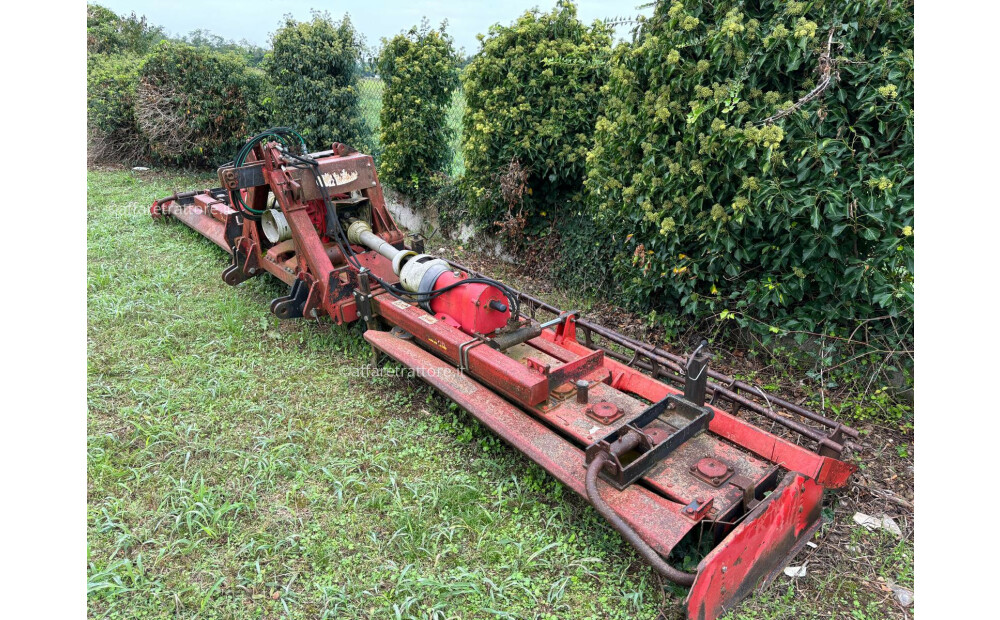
<point x="236" y="468"/>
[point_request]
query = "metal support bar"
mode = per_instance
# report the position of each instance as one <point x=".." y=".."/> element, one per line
<point x="696" y="375"/>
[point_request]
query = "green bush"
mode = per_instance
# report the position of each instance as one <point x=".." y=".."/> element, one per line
<point x="196" y="106"/>
<point x="314" y="67"/>
<point x="420" y="69"/>
<point x="111" y="125"/>
<point x="722" y="196"/>
<point x="110" y="33"/>
<point x="532" y="94"/>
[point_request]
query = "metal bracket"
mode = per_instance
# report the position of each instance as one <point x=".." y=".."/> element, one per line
<point x="363" y="296"/>
<point x="620" y="476"/>
<point x="463" y="353"/>
<point x="750" y="487"/>
<point x="698" y="509"/>
<point x="234" y="274"/>
<point x="250" y="175"/>
<point x="290" y="306"/>
<point x="696" y="374"/>
<point x="243" y="267"/>
<point x="416" y="243"/>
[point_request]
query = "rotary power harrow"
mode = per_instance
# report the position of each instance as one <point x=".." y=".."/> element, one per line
<point x="661" y="445"/>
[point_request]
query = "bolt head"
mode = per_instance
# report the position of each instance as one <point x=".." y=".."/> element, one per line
<point x="604" y="411"/>
<point x="712" y="468"/>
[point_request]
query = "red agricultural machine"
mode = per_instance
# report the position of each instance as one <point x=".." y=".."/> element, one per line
<point x="661" y="445"/>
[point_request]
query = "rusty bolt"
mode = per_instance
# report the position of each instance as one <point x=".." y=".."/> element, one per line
<point x="603" y="412"/>
<point x="563" y="390"/>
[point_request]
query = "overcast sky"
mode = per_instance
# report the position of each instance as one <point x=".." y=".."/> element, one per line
<point x="256" y="20"/>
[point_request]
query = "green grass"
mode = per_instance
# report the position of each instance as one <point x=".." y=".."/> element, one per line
<point x="235" y="469"/>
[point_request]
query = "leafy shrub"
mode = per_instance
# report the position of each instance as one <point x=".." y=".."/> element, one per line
<point x="583" y="257"/>
<point x="420" y="69"/>
<point x="314" y="67"/>
<point x="732" y="182"/>
<point x="532" y="94"/>
<point x="109" y="33"/>
<point x="111" y="124"/>
<point x="196" y="106"/>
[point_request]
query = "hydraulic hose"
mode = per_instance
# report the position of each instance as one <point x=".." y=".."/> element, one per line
<point x="626" y="443"/>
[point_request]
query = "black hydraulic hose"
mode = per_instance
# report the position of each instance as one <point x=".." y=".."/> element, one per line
<point x="648" y="553"/>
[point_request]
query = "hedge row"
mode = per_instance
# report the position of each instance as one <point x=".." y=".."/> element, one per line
<point x="736" y="160"/>
<point x="195" y="105"/>
<point x="420" y="72"/>
<point x="757" y="162"/>
<point x="533" y="94"/>
<point x="111" y="93"/>
<point x="747" y="160"/>
<point x="110" y="33"/>
<point x="314" y="67"/>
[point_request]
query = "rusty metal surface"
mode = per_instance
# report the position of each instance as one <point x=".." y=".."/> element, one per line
<point x="672" y="475"/>
<point x="343" y="174"/>
<point x="489" y="365"/>
<point x="758" y="548"/>
<point x="829" y="471"/>
<point x="665" y="365"/>
<point x="201" y="222"/>
<point x="657" y="520"/>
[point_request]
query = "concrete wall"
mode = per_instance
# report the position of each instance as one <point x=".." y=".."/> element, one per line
<point x="425" y="221"/>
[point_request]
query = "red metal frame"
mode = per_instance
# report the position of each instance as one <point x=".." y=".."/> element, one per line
<point x="526" y="394"/>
